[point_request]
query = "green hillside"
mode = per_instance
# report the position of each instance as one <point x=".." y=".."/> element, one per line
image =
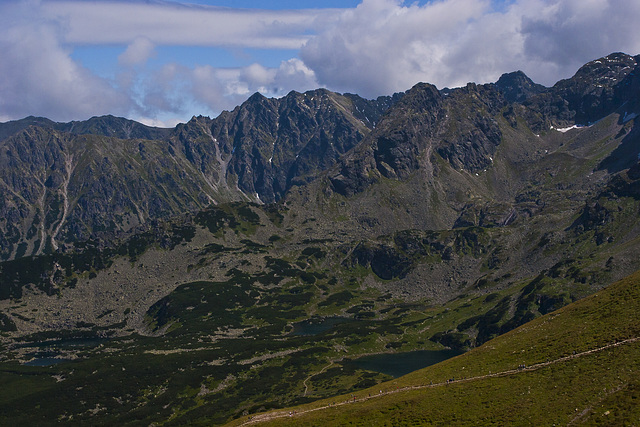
<point x="576" y="366"/>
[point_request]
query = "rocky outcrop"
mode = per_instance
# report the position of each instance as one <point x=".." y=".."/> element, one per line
<point x="273" y="144"/>
<point x="517" y="87"/>
<point x="394" y="148"/>
<point x="457" y="124"/>
<point x="407" y="130"/>
<point x="472" y="134"/>
<point x="59" y="188"/>
<point x="386" y="262"/>
<point x="597" y="89"/>
<point x="68" y="181"/>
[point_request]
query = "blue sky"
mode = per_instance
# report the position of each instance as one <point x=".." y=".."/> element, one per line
<point x="160" y="62"/>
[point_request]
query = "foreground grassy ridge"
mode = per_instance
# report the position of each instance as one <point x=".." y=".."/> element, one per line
<point x="557" y="387"/>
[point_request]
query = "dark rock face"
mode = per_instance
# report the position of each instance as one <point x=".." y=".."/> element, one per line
<point x="593" y="216"/>
<point x="600" y="87"/>
<point x="597" y="89"/>
<point x="63" y="187"/>
<point x="517" y="87"/>
<point x="494" y="214"/>
<point x="393" y="149"/>
<point x="116" y="127"/>
<point x="356" y="172"/>
<point x="405" y="131"/>
<point x="462" y="125"/>
<point x="457" y="125"/>
<point x="66" y="181"/>
<point x="274" y="144"/>
<point x="472" y="134"/>
<point x="69" y="181"/>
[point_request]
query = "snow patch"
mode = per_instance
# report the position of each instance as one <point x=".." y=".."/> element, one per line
<point x="563" y="130"/>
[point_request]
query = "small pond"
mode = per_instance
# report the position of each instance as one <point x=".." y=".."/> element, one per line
<point x="399" y="364"/>
<point x="317" y="325"/>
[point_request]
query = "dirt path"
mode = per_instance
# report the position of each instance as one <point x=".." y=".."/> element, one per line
<point x="306" y="386"/>
<point x="274" y="415"/>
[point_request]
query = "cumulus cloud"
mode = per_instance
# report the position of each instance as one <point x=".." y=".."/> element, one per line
<point x="179" y="89"/>
<point x="293" y="75"/>
<point x="137" y="53"/>
<point x="38" y="76"/>
<point x="384" y="46"/>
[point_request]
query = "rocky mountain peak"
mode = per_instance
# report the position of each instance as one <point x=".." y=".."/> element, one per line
<point x="517" y="86"/>
<point x="606" y="70"/>
<point x="597" y="89"/>
<point x="421" y="97"/>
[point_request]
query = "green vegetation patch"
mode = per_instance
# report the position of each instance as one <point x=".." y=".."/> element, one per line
<point x="576" y="365"/>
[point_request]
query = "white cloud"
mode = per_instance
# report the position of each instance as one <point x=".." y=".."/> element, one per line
<point x="258" y="77"/>
<point x="137" y="53"/>
<point x="163" y="23"/>
<point x="293" y="75"/>
<point x="38" y="77"/>
<point x="209" y="90"/>
<point x="160" y="123"/>
<point x="384" y="46"/>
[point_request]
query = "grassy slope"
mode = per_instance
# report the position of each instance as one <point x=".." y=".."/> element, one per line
<point x="591" y="387"/>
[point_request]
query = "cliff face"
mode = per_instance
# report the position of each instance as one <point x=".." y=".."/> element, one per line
<point x="596" y="90"/>
<point x="454" y="151"/>
<point x="273" y="144"/>
<point x="60" y="187"/>
<point x="463" y="126"/>
<point x="64" y="182"/>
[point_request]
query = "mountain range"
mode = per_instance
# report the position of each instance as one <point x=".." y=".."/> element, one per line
<point x="430" y="219"/>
